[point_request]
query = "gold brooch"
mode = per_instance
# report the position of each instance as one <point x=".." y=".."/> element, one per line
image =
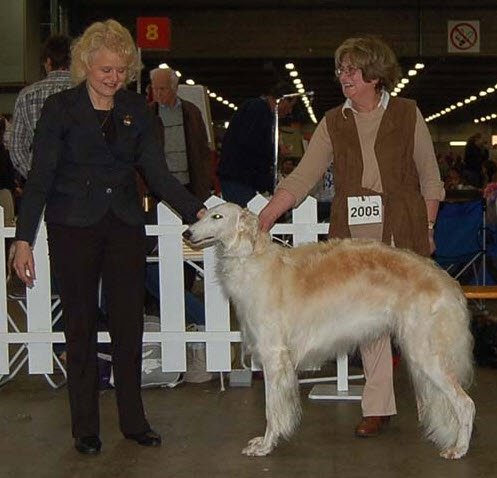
<point x="128" y="119"/>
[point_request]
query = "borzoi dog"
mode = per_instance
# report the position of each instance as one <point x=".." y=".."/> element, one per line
<point x="300" y="306"/>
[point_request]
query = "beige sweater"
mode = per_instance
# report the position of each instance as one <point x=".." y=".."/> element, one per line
<point x="319" y="156"/>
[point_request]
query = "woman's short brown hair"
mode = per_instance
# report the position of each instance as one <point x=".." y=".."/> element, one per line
<point x="109" y="34"/>
<point x="374" y="57"/>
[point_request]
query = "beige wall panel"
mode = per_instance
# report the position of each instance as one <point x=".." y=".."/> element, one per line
<point x="12" y="29"/>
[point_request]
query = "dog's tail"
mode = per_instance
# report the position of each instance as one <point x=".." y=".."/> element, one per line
<point x="439" y="379"/>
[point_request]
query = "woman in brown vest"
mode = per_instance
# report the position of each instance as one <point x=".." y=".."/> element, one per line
<point x="387" y="184"/>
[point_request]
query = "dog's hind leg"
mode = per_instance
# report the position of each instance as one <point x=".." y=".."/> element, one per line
<point x="447" y="412"/>
<point x="282" y="402"/>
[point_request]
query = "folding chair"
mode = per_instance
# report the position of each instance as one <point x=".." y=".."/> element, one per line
<point x="460" y="238"/>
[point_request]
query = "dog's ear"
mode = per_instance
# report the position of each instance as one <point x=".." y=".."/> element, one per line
<point x="247" y="231"/>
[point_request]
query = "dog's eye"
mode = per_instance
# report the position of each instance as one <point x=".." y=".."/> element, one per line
<point x="217" y="216"/>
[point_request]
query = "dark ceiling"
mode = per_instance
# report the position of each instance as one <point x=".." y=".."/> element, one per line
<point x="444" y="80"/>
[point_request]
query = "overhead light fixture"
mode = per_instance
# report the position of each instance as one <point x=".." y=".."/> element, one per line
<point x="189" y="82"/>
<point x="419" y="66"/>
<point x="457" y="143"/>
<point x="163" y="66"/>
<point x="289" y="66"/>
<point x="294" y="73"/>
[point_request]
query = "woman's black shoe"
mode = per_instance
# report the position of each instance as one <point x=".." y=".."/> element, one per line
<point x="88" y="445"/>
<point x="148" y="438"/>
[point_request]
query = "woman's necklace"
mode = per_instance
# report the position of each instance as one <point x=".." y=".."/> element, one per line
<point x="107" y="116"/>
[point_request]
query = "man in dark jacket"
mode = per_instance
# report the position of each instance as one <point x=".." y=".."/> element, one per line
<point x="247" y="155"/>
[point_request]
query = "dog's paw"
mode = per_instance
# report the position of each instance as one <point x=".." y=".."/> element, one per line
<point x="257" y="447"/>
<point x="453" y="453"/>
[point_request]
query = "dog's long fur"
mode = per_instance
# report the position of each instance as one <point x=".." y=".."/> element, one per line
<point x="300" y="306"/>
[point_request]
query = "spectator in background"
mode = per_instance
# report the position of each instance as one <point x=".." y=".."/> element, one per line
<point x="475" y="154"/>
<point x="488" y="172"/>
<point x="247" y="155"/>
<point x="181" y="130"/>
<point x="286" y="167"/>
<point x="56" y="60"/>
<point x="8" y="129"/>
<point x="7" y="173"/>
<point x="453" y="180"/>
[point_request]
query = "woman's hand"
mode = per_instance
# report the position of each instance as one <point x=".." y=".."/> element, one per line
<point x="23" y="262"/>
<point x="281" y="202"/>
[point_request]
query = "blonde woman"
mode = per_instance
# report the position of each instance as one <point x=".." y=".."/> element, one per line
<point x="387" y="184"/>
<point x="88" y="143"/>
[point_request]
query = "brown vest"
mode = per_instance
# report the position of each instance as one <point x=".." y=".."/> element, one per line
<point x="404" y="216"/>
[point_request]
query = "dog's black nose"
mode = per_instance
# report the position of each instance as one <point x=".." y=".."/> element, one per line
<point x="187" y="234"/>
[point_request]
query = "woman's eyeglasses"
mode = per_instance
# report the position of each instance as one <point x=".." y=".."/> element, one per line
<point x="347" y="70"/>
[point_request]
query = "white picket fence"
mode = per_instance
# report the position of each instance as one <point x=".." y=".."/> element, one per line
<point x="39" y="337"/>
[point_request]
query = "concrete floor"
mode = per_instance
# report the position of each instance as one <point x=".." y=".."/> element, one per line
<point x="204" y="431"/>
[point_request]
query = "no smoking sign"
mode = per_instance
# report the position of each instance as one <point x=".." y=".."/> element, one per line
<point x="464" y="36"/>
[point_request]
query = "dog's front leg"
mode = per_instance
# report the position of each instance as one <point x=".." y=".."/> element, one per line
<point x="282" y="403"/>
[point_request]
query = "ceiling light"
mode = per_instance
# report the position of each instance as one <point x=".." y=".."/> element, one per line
<point x="472" y="98"/>
<point x="289" y="66"/>
<point x="231" y="105"/>
<point x="212" y="94"/>
<point x="220" y="98"/>
<point x="459" y="104"/>
<point x="476" y="120"/>
<point x="301" y="90"/>
<point x="419" y="66"/>
<point x="467" y="100"/>
<point x="296" y="81"/>
<point x="412" y="72"/>
<point x="493" y="115"/>
<point x="294" y="73"/>
<point x="488" y="117"/>
<point x="163" y="66"/>
<point x="453" y="107"/>
<point x="490" y="90"/>
<point x="393" y="93"/>
<point x="189" y="82"/>
<point x="405" y="81"/>
<point x="178" y="74"/>
<point x="225" y="102"/>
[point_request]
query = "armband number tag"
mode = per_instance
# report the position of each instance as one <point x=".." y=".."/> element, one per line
<point x="364" y="210"/>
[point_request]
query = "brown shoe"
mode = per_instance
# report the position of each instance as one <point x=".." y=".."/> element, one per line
<point x="371" y="426"/>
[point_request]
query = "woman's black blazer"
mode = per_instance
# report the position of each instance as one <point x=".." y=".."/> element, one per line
<point x="79" y="176"/>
